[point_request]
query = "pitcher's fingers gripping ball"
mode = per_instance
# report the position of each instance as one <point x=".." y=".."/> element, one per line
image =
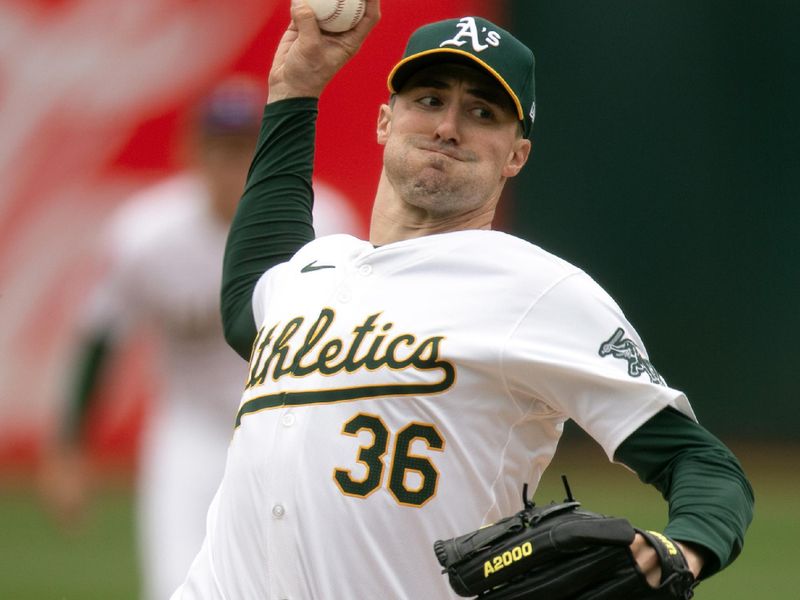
<point x="337" y="15"/>
<point x="560" y="552"/>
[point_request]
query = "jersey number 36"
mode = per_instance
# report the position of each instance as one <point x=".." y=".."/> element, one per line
<point x="412" y="478"/>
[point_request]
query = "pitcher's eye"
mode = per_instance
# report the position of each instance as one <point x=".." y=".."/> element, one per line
<point x="431" y="101"/>
<point x="483" y="113"/>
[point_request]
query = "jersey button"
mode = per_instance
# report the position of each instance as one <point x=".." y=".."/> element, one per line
<point x="278" y="511"/>
<point x="287" y="420"/>
<point x="365" y="270"/>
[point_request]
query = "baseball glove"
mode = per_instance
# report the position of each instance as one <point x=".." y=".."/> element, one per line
<point x="559" y="552"/>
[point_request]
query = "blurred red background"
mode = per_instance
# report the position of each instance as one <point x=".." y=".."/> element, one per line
<point x="93" y="94"/>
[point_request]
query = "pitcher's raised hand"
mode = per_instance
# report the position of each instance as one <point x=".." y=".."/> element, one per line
<point x="307" y="58"/>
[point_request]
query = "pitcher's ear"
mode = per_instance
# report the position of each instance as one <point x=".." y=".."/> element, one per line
<point x="517" y="157"/>
<point x="384" y="123"/>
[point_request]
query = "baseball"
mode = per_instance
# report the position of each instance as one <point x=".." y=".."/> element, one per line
<point x="337" y="15"/>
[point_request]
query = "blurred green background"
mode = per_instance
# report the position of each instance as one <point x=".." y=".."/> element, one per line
<point x="666" y="163"/>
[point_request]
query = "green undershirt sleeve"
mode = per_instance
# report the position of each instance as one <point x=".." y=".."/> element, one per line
<point x="710" y="500"/>
<point x="90" y="360"/>
<point x="273" y="220"/>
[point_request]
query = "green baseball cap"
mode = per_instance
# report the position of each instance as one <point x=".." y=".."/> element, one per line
<point x="474" y="41"/>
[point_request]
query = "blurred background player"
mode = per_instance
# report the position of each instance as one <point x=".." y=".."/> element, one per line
<point x="164" y="250"/>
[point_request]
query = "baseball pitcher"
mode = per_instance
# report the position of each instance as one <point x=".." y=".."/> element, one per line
<point x="400" y="390"/>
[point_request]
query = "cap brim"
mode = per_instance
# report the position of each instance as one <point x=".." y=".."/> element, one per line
<point x="410" y="64"/>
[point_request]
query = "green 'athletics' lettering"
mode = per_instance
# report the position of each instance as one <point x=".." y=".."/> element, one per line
<point x="367" y="349"/>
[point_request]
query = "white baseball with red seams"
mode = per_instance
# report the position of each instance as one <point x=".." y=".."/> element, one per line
<point x="337" y="15"/>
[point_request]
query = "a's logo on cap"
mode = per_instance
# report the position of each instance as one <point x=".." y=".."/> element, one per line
<point x="468" y="28"/>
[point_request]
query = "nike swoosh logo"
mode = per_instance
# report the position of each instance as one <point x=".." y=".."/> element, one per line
<point x="313" y="266"/>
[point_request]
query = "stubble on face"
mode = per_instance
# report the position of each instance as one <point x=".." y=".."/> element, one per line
<point x="434" y="176"/>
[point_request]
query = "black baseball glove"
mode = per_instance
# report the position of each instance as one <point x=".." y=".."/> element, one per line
<point x="559" y="552"/>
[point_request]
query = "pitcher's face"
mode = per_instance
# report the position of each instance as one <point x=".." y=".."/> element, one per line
<point x="451" y="138"/>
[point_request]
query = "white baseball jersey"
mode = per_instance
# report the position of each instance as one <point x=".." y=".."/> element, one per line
<point x="403" y="394"/>
<point x="166" y="249"/>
